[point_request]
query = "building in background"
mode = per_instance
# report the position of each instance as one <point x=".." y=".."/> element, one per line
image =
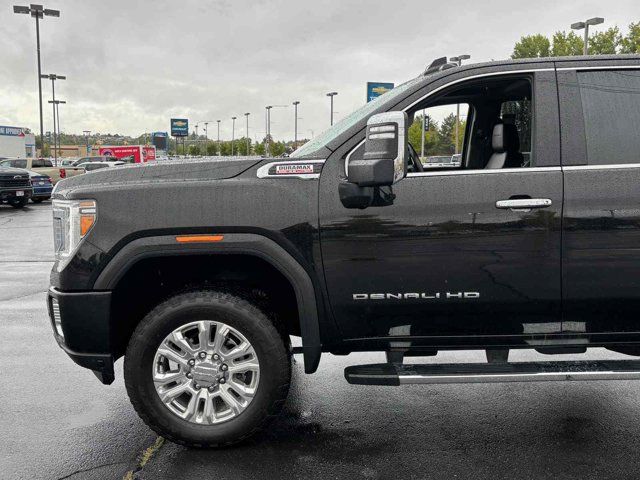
<point x="160" y="140"/>
<point x="17" y="142"/>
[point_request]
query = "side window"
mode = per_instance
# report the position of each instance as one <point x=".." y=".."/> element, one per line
<point x="519" y="113"/>
<point x="47" y="163"/>
<point x="611" y="109"/>
<point x="437" y="134"/>
<point x="494" y="120"/>
<point x="37" y="163"/>
<point x="21" y="164"/>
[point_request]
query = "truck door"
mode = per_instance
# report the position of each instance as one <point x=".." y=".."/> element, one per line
<point x="454" y="256"/>
<point x="600" y="114"/>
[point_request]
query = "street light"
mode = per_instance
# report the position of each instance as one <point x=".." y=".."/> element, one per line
<point x="53" y="77"/>
<point x="457" y="60"/>
<point x="247" y="117"/>
<point x="86" y="134"/>
<point x="38" y="12"/>
<point x="295" y="131"/>
<point x="268" y="127"/>
<point x="56" y="119"/>
<point x="331" y="95"/>
<point x="219" y="150"/>
<point x="585" y="25"/>
<point x="206" y="136"/>
<point x="233" y="133"/>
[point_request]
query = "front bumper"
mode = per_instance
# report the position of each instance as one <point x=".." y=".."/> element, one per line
<point x="9" y="194"/>
<point x="80" y="322"/>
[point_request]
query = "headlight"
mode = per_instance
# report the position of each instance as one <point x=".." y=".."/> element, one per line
<point x="72" y="220"/>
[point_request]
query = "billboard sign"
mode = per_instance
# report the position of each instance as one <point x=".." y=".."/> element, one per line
<point x="12" y="131"/>
<point x="159" y="140"/>
<point x="375" y="89"/>
<point x="179" y="127"/>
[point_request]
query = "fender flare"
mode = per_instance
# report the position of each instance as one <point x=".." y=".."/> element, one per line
<point x="232" y="243"/>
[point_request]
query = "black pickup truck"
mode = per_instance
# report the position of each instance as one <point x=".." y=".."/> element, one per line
<point x="15" y="186"/>
<point x="199" y="272"/>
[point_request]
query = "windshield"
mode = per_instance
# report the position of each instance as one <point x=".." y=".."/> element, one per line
<point x="350" y="120"/>
<point x="14" y="163"/>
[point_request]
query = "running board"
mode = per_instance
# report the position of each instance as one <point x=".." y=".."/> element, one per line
<point x="395" y="374"/>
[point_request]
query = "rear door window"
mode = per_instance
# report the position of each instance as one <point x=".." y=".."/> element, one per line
<point x="611" y="109"/>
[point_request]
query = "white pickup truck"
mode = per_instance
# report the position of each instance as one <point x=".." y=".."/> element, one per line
<point x="43" y="166"/>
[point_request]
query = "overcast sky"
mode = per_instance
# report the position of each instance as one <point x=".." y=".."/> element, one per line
<point x="132" y="65"/>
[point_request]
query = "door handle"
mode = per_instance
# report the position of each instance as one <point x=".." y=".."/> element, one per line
<point x="524" y="204"/>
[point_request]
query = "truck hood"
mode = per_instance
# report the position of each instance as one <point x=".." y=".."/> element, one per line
<point x="6" y="171"/>
<point x="163" y="171"/>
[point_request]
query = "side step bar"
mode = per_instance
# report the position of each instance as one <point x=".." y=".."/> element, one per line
<point x="395" y="374"/>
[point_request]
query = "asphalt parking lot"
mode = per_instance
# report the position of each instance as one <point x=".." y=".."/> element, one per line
<point x="59" y="422"/>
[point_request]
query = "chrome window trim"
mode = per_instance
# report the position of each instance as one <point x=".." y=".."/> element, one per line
<point x="603" y="67"/>
<point x="442" y="87"/>
<point x="613" y="166"/>
<point x="263" y="171"/>
<point x="442" y="173"/>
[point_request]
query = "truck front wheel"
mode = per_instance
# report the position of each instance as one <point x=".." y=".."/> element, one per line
<point x="207" y="369"/>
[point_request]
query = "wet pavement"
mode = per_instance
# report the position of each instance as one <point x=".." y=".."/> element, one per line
<point x="58" y="421"/>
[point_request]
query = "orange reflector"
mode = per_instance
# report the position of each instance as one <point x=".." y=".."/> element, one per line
<point x="199" y="238"/>
<point x="86" y="222"/>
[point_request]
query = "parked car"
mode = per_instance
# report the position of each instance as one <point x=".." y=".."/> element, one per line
<point x="93" y="159"/>
<point x="43" y="166"/>
<point x="352" y="245"/>
<point x="89" y="167"/>
<point x="15" y="187"/>
<point x="42" y="186"/>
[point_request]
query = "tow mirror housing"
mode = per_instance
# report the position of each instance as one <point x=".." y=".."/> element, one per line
<point x="384" y="162"/>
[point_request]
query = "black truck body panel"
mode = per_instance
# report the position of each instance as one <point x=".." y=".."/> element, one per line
<point x="565" y="275"/>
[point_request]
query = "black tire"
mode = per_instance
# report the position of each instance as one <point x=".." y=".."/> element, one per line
<point x="18" y="202"/>
<point x="275" y="367"/>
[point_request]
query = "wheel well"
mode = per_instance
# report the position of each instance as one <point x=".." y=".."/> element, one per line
<point x="153" y="280"/>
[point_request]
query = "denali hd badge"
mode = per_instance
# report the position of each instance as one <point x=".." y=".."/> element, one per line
<point x="416" y="296"/>
<point x="289" y="169"/>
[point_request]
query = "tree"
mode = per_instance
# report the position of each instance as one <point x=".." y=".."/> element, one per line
<point x="610" y="41"/>
<point x="531" y="46"/>
<point x="212" y="149"/>
<point x="630" y="43"/>
<point x="259" y="148"/>
<point x="566" y="44"/>
<point x="604" y="43"/>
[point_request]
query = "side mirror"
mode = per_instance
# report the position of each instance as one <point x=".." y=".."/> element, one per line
<point x="385" y="150"/>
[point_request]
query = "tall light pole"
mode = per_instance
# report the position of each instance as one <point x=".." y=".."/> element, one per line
<point x="331" y="95"/>
<point x="57" y="103"/>
<point x="53" y="77"/>
<point x="38" y="12"/>
<point x="206" y="136"/>
<point x="56" y="121"/>
<point x="585" y="25"/>
<point x="219" y="151"/>
<point x="295" y="128"/>
<point x="268" y="127"/>
<point x="458" y="60"/>
<point x="233" y="132"/>
<point x="86" y="134"/>
<point x="247" y="118"/>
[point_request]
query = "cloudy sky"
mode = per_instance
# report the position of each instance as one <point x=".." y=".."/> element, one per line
<point x="131" y="65"/>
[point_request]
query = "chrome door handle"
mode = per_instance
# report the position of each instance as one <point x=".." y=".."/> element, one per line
<point x="524" y="203"/>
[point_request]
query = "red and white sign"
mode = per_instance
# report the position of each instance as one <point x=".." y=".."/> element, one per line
<point x="148" y="153"/>
<point x="130" y="153"/>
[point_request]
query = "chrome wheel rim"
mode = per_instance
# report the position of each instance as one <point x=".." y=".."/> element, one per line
<point x="206" y="372"/>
